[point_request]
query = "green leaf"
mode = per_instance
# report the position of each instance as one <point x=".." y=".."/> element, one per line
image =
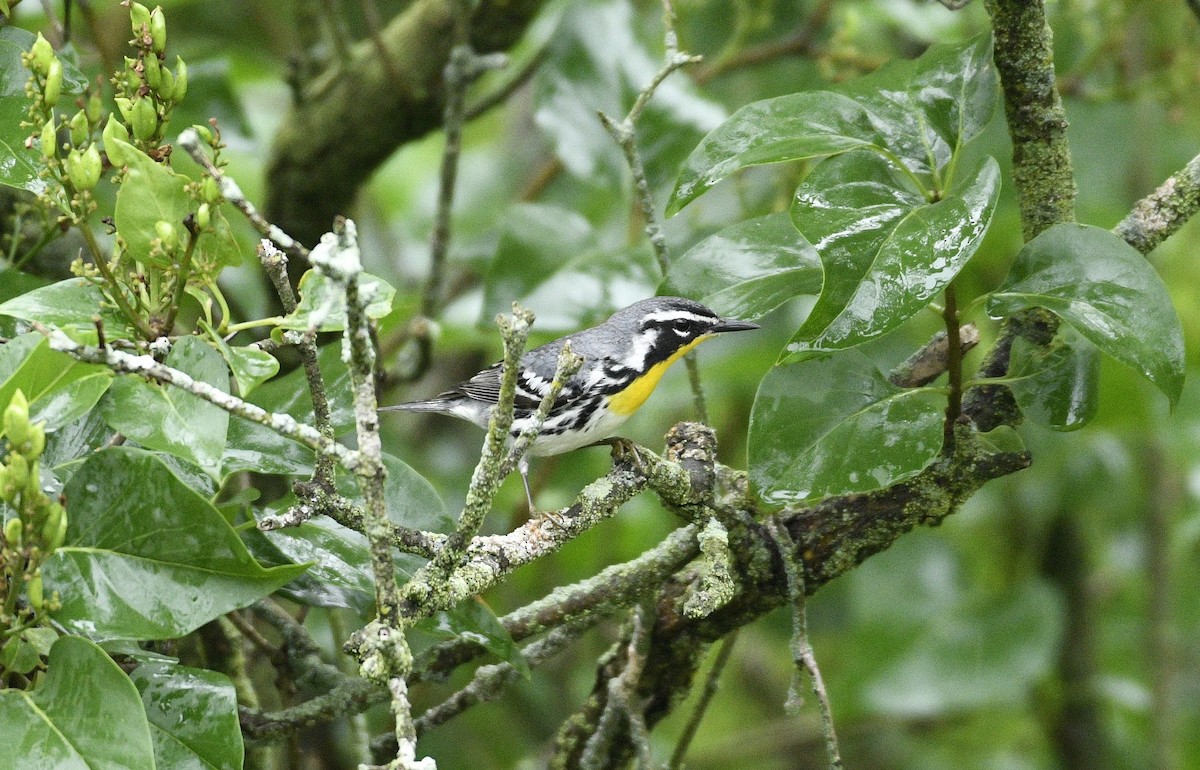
<point x="252" y="447"/>
<point x="886" y="251"/>
<point x="170" y="419"/>
<point x="1103" y="287"/>
<point x="146" y="557"/>
<point x="251" y="367"/>
<point x="152" y="192"/>
<point x="1056" y="385"/>
<point x="917" y="112"/>
<point x="19" y="167"/>
<point x="792" y="127"/>
<point x="193" y="717"/>
<point x="59" y="388"/>
<point x="536" y="241"/>
<point x="833" y="424"/>
<point x="84" y="714"/>
<point x="71" y="305"/>
<point x="748" y="269"/>
<point x="323" y="302"/>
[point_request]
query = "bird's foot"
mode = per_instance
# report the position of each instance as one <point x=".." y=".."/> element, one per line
<point x="625" y="451"/>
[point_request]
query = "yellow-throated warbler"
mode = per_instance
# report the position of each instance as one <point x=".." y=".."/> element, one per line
<point x="623" y="360"/>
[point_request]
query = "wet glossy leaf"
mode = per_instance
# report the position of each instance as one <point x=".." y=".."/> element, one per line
<point x="133" y="523"/>
<point x="84" y="714"/>
<point x="1057" y="386"/>
<point x="193" y="716"/>
<point x="917" y="112"/>
<point x="19" y="167"/>
<point x="59" y="388"/>
<point x="323" y="302"/>
<point x="988" y="652"/>
<point x="71" y="305"/>
<point x="748" y="269"/>
<point x="171" y="419"/>
<point x="251" y="367"/>
<point x="833" y="424"/>
<point x="887" y="252"/>
<point x="258" y="449"/>
<point x="1102" y="286"/>
<point x="549" y="260"/>
<point x="290" y="393"/>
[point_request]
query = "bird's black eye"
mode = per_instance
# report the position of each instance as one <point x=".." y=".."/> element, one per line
<point x="681" y="326"/>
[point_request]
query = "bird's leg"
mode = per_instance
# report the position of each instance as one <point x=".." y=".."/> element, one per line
<point x="551" y="516"/>
<point x="523" y="467"/>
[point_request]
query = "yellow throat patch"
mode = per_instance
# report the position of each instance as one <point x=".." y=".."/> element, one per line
<point x="627" y="401"/>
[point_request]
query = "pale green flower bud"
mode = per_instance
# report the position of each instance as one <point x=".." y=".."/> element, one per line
<point x="181" y="80"/>
<point x="139" y="17"/>
<point x="143" y="120"/>
<point x="13" y="531"/>
<point x="48" y="139"/>
<point x="167" y="234"/>
<point x="114" y="132"/>
<point x="158" y="30"/>
<point x="41" y="54"/>
<point x="79" y="128"/>
<point x="54" y="81"/>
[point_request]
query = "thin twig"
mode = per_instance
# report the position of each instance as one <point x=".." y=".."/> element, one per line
<point x="283" y="424"/>
<point x="190" y="141"/>
<point x="381" y="646"/>
<point x="932" y="360"/>
<point x="508" y="87"/>
<point x="567" y="365"/>
<point x="802" y="651"/>
<point x="799" y="42"/>
<point x="491" y="680"/>
<point x="724" y="653"/>
<point x="623" y="705"/>
<point x="375" y="28"/>
<point x="464" y="67"/>
<point x="274" y="264"/>
<point x="624" y="133"/>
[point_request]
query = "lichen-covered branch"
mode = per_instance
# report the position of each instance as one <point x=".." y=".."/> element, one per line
<point x="189" y="140"/>
<point x="833" y="536"/>
<point x="146" y="366"/>
<point x="1042" y="171"/>
<point x="1157" y="216"/>
<point x="381" y="646"/>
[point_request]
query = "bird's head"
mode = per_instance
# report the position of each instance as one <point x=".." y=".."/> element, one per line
<point x="662" y="328"/>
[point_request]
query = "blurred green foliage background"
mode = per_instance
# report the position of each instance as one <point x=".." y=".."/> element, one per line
<point x="1054" y="622"/>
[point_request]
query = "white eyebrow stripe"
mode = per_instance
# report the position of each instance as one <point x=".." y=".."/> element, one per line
<point x="674" y="315"/>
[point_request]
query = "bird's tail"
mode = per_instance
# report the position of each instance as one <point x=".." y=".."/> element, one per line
<point x="432" y="405"/>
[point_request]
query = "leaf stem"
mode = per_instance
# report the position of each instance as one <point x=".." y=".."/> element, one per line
<point x="954" y="355"/>
<point x="185" y="267"/>
<point x="118" y="295"/>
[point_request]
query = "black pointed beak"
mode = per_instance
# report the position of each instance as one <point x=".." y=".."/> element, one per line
<point x="733" y="325"/>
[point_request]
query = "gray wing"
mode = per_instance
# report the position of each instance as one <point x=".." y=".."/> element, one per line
<point x="537" y="370"/>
